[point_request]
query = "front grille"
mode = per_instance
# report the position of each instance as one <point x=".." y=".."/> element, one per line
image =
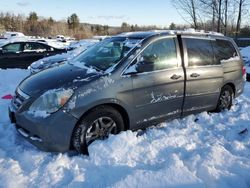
<point x="19" y="98"/>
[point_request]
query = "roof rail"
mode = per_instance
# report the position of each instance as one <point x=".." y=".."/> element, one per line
<point x="200" y="32"/>
<point x="190" y="31"/>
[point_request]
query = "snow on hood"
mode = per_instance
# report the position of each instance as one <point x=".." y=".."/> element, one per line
<point x="38" y="83"/>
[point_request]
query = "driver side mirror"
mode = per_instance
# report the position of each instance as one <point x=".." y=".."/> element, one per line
<point x="144" y="64"/>
<point x="1" y="50"/>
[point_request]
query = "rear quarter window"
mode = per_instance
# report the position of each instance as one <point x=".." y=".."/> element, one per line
<point x="224" y="50"/>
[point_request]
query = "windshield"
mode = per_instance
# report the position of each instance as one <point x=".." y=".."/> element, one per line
<point x="105" y="54"/>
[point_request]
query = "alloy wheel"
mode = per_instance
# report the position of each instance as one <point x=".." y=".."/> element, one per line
<point x="99" y="130"/>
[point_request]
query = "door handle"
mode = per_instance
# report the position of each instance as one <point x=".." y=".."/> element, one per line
<point x="194" y="75"/>
<point x="175" y="77"/>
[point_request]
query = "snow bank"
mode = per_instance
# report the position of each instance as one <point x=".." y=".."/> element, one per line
<point x="197" y="151"/>
<point x="245" y="52"/>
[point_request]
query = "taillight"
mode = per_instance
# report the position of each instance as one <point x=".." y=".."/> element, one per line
<point x="244" y="71"/>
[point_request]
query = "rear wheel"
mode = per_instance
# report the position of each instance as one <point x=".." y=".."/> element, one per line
<point x="98" y="124"/>
<point x="226" y="99"/>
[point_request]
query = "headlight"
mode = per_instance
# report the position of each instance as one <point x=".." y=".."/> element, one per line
<point x="51" y="100"/>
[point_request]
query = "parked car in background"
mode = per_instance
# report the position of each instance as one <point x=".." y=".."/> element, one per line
<point x="74" y="50"/>
<point x="10" y="34"/>
<point x="129" y="81"/>
<point x="242" y="42"/>
<point x="22" y="54"/>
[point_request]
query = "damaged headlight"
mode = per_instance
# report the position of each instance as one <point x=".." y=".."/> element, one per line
<point x="51" y="101"/>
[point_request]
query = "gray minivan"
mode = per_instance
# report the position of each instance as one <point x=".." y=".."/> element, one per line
<point x="128" y="81"/>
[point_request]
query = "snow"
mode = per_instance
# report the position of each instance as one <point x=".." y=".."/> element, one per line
<point x="236" y="58"/>
<point x="245" y="52"/>
<point x="204" y="150"/>
<point x="39" y="114"/>
<point x="83" y="66"/>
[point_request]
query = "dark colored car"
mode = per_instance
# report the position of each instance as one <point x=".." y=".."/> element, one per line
<point x="22" y="54"/>
<point x="129" y="81"/>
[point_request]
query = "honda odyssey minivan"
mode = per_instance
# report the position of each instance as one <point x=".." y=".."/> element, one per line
<point x="127" y="82"/>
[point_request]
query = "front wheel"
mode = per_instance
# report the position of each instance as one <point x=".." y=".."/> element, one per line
<point x="96" y="125"/>
<point x="226" y="99"/>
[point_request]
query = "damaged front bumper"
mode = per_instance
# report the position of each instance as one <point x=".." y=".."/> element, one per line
<point x="51" y="134"/>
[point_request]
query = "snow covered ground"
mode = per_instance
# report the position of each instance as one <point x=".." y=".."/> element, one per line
<point x="204" y="150"/>
<point x="245" y="52"/>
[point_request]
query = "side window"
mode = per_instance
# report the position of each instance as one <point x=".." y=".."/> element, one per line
<point x="31" y="47"/>
<point x="12" y="48"/>
<point x="200" y="52"/>
<point x="224" y="50"/>
<point x="159" y="55"/>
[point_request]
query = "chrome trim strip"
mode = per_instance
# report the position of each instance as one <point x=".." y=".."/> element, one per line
<point x="18" y="100"/>
<point x="35" y="138"/>
<point x="23" y="133"/>
<point x="21" y="93"/>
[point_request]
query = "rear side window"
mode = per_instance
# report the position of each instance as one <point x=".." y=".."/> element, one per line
<point x="200" y="52"/>
<point x="224" y="50"/>
<point x="34" y="47"/>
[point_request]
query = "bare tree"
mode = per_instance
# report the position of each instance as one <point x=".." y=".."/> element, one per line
<point x="241" y="5"/>
<point x="188" y="11"/>
<point x="226" y="14"/>
<point x="219" y="15"/>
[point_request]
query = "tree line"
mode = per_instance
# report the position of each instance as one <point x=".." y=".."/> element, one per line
<point x="212" y="15"/>
<point x="33" y="25"/>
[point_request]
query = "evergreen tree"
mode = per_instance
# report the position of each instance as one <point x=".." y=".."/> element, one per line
<point x="73" y="21"/>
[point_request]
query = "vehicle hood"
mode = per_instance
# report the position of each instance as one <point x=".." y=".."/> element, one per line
<point x="61" y="76"/>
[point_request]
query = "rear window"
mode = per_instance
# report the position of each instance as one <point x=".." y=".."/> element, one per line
<point x="200" y="52"/>
<point x="224" y="50"/>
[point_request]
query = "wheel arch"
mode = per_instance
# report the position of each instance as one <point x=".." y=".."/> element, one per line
<point x="232" y="86"/>
<point x="116" y="106"/>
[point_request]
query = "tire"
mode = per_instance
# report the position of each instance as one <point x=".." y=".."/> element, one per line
<point x="96" y="125"/>
<point x="226" y="99"/>
<point x="248" y="77"/>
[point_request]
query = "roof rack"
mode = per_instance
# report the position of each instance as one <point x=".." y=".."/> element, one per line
<point x="199" y="32"/>
<point x="190" y="31"/>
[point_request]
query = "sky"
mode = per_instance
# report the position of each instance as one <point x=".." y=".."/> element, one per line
<point x="105" y="12"/>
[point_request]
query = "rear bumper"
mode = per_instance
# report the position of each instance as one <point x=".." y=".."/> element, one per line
<point x="51" y="134"/>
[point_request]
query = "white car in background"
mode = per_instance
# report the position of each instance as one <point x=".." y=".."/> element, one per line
<point x="9" y="34"/>
<point x="74" y="49"/>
